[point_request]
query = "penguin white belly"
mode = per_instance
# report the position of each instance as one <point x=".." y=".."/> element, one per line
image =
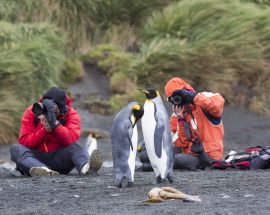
<point x="132" y="154"/>
<point x="91" y="144"/>
<point x="148" y="126"/>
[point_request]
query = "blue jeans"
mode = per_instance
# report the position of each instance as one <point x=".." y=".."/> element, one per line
<point x="62" y="160"/>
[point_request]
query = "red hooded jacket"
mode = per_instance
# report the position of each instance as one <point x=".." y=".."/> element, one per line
<point x="37" y="138"/>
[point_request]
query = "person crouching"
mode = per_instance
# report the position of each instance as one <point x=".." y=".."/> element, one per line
<point x="196" y="123"/>
<point x="48" y="139"/>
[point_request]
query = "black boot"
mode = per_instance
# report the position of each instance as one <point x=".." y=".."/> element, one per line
<point x="204" y="159"/>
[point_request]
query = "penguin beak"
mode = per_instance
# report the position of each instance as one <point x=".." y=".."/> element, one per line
<point x="145" y="91"/>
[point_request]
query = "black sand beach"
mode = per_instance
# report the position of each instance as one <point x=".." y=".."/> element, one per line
<point x="221" y="192"/>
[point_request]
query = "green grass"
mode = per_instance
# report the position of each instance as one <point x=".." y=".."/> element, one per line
<point x="31" y="59"/>
<point x="72" y="71"/>
<point x="108" y="58"/>
<point x="259" y="2"/>
<point x="82" y="20"/>
<point x="216" y="45"/>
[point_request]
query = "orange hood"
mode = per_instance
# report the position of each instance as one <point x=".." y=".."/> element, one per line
<point x="176" y="84"/>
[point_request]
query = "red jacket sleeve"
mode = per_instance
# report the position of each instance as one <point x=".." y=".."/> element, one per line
<point x="30" y="136"/>
<point x="212" y="103"/>
<point x="70" y="132"/>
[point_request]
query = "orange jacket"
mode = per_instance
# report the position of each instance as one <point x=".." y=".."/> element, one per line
<point x="207" y="123"/>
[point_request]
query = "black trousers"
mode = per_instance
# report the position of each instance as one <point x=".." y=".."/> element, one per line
<point x="181" y="161"/>
<point x="62" y="161"/>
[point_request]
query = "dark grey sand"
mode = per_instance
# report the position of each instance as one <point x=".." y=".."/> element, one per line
<point x="221" y="192"/>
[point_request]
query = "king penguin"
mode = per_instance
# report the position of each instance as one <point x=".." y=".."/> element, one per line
<point x="124" y="138"/>
<point x="157" y="136"/>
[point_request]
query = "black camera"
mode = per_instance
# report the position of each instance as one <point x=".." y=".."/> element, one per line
<point x="175" y="100"/>
<point x="39" y="108"/>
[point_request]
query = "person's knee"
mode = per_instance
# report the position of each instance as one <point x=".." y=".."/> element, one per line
<point x="17" y="151"/>
<point x="74" y="146"/>
<point x="183" y="161"/>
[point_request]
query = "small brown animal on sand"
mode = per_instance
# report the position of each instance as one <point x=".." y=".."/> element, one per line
<point x="161" y="194"/>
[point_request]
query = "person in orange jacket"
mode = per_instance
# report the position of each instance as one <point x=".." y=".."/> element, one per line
<point x="196" y="122"/>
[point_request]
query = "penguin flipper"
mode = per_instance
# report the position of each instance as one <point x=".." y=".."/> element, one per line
<point x="129" y="131"/>
<point x="158" y="139"/>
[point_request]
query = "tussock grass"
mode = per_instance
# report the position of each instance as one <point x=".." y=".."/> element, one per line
<point x="82" y="19"/>
<point x="259" y="2"/>
<point x="31" y="58"/>
<point x="109" y="58"/>
<point x="217" y="45"/>
<point x="10" y="115"/>
<point x="72" y="71"/>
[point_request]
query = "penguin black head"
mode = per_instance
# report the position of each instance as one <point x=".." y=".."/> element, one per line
<point x="150" y="93"/>
<point x="137" y="111"/>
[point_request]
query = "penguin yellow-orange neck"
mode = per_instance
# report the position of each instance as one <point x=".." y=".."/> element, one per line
<point x="136" y="107"/>
<point x="148" y="101"/>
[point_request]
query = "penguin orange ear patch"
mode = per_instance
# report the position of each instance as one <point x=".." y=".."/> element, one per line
<point x="136" y="107"/>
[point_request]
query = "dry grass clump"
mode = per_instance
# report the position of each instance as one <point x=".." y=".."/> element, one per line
<point x="217" y="45"/>
<point x="31" y="58"/>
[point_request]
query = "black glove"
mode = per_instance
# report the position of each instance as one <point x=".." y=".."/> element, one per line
<point x="50" y="113"/>
<point x="187" y="96"/>
<point x="197" y="146"/>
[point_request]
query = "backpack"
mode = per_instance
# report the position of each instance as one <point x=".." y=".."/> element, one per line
<point x="242" y="159"/>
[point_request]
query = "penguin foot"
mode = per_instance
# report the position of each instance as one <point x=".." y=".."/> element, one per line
<point x="130" y="184"/>
<point x="119" y="185"/>
<point x="160" y="180"/>
<point x="170" y="178"/>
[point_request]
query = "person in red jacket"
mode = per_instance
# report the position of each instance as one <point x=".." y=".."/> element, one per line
<point x="196" y="123"/>
<point x="48" y="139"/>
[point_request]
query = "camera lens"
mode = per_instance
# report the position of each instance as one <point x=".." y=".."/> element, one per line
<point x="38" y="108"/>
<point x="176" y="100"/>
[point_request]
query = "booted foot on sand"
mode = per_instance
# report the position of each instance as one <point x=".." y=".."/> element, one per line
<point x="42" y="171"/>
<point x="94" y="164"/>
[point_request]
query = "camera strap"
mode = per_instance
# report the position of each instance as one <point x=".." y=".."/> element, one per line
<point x="187" y="129"/>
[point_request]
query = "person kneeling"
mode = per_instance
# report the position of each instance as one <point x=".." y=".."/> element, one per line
<point x="196" y="124"/>
<point x="48" y="139"/>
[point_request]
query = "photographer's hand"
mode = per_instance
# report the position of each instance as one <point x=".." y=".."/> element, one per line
<point x="51" y="113"/>
<point x="178" y="111"/>
<point x="45" y="123"/>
